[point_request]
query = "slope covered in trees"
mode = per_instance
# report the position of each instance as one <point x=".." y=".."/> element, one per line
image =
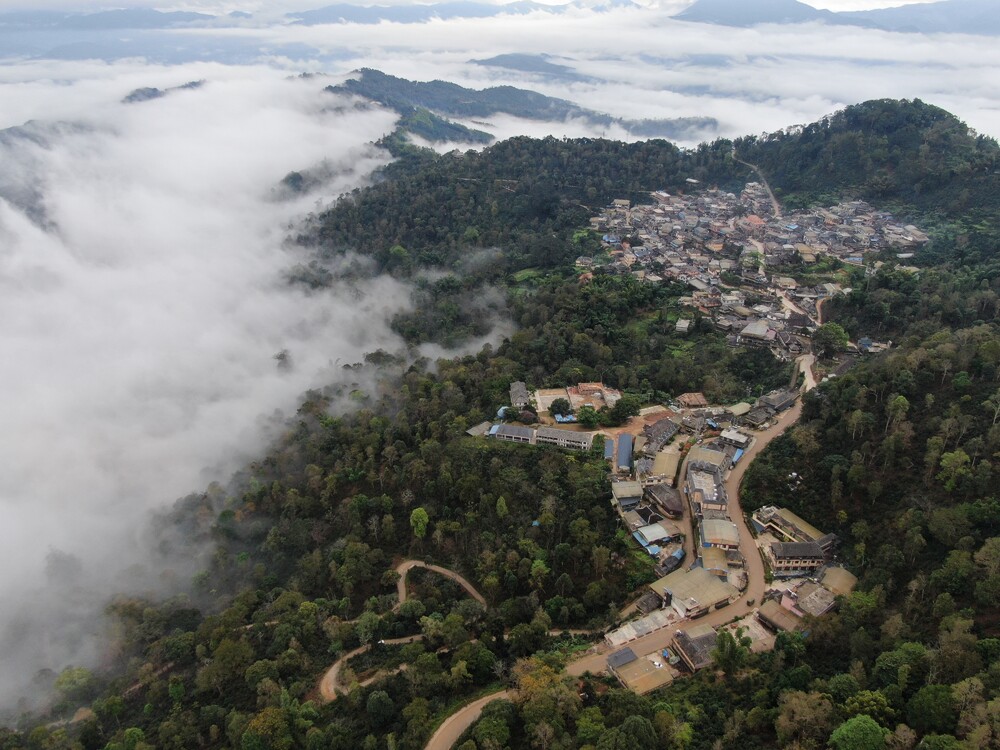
<point x="898" y="456"/>
<point x="907" y="156"/>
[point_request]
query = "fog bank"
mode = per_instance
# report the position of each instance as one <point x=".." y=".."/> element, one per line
<point x="142" y="294"/>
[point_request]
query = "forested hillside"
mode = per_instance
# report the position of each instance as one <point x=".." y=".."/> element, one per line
<point x="910" y="157"/>
<point x="897" y="456"/>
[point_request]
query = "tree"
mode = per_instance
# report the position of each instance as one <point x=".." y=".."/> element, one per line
<point x="830" y="339"/>
<point x="380" y="708"/>
<point x="859" y="733"/>
<point x="560" y="406"/>
<point x="501" y="508"/>
<point x="588" y="417"/>
<point x="418" y="522"/>
<point x="932" y="709"/>
<point x="731" y="649"/>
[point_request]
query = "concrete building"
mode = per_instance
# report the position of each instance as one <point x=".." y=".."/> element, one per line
<point x="717" y="532"/>
<point x="693" y="592"/>
<point x="795" y="558"/>
<point x="513" y="434"/>
<point x="695" y="645"/>
<point x="789" y="527"/>
<point x="580" y="441"/>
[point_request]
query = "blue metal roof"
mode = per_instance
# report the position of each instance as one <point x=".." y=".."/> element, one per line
<point x="638" y="537"/>
<point x="738" y="455"/>
<point x="609" y="448"/>
<point x="624" y="452"/>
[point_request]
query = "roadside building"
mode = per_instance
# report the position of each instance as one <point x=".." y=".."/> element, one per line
<point x="694" y="592"/>
<point x="714" y="560"/>
<point x="779" y="400"/>
<point x="718" y="532"/>
<point x="789" y="527"/>
<point x="735" y="438"/>
<point x="776" y="617"/>
<point x="695" y="646"/>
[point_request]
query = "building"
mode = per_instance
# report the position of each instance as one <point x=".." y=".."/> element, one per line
<point x="579" y="441"/>
<point x="715" y="562"/>
<point x="757" y="333"/>
<point x="640" y="674"/>
<point x="779" y="401"/>
<point x="513" y="433"/>
<point x="480" y="430"/>
<point x="704" y="455"/>
<point x="519" y="396"/>
<point x="655" y="533"/>
<point x="683" y="325"/>
<point x="776" y="617"/>
<point x="692" y="400"/>
<point x="788" y="527"/>
<point x="839" y="581"/>
<point x="695" y="646"/>
<point x="623" y="461"/>
<point x="666" y="498"/>
<point x="735" y="438"/>
<point x="695" y="592"/>
<point x="718" y="532"/>
<point x="795" y="558"/>
<point x="658" y="434"/>
<point x="627" y="494"/>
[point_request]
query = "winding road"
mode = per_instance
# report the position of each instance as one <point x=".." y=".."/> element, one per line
<point x="329" y="684"/>
<point x="595" y="661"/>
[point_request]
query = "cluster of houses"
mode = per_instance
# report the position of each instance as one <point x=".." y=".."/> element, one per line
<point x="700" y="238"/>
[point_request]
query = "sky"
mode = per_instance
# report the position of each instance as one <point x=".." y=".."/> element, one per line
<point x="143" y="246"/>
<point x="226" y="6"/>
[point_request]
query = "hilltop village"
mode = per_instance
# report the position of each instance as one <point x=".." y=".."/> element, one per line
<point x="738" y="254"/>
<point x="676" y="468"/>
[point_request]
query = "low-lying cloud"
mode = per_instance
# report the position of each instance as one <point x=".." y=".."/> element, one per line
<point x="143" y="298"/>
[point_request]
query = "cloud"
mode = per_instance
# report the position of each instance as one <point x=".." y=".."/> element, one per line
<point x="142" y="315"/>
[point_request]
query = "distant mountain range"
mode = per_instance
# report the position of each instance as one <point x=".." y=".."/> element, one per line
<point x="132" y="18"/>
<point x="442" y="99"/>
<point x="957" y="16"/>
<point x="948" y="16"/>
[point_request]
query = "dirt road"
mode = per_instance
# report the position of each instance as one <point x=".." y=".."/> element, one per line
<point x="764" y="182"/>
<point x="407" y="565"/>
<point x="448" y="733"/>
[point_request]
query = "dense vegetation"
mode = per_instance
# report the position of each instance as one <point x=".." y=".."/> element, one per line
<point x="910" y="157"/>
<point x="451" y="99"/>
<point x="897" y="456"/>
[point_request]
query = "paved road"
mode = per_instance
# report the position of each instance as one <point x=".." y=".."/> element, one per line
<point x="451" y="729"/>
<point x="407" y="565"/>
<point x="595" y="661"/>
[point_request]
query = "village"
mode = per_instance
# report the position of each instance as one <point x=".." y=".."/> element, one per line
<point x="676" y="467"/>
<point x="675" y="473"/>
<point x="735" y="252"/>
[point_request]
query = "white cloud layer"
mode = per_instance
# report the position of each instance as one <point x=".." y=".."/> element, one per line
<point x="142" y="316"/>
<point x="142" y="313"/>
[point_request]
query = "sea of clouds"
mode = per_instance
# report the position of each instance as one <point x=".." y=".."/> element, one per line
<point x="143" y="253"/>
